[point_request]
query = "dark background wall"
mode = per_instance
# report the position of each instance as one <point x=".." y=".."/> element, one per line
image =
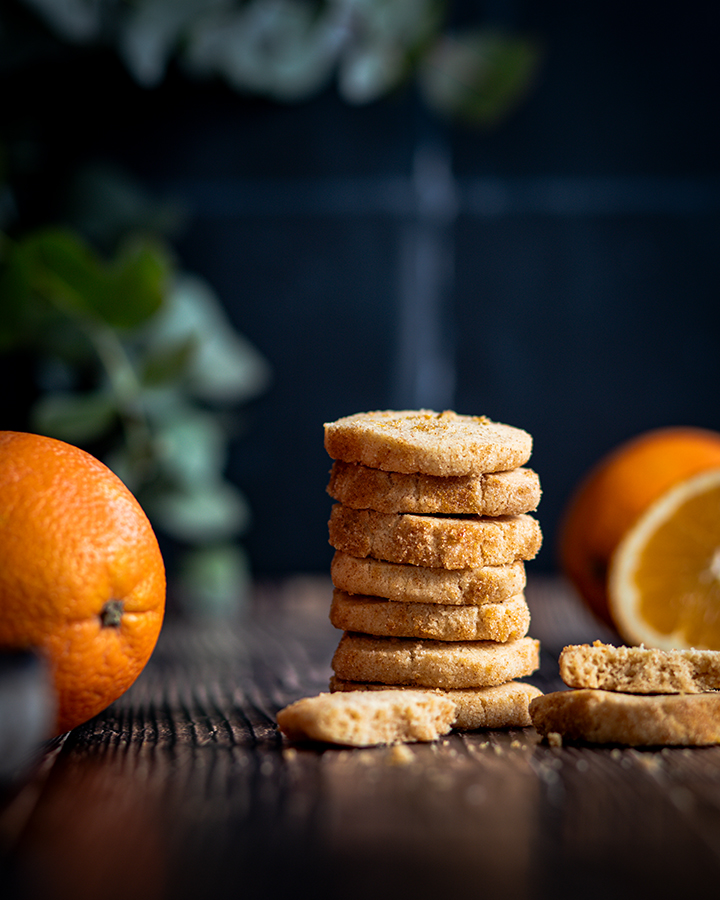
<point x="559" y="274"/>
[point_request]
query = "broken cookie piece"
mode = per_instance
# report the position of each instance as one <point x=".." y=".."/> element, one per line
<point x="367" y="718"/>
<point x="640" y="670"/>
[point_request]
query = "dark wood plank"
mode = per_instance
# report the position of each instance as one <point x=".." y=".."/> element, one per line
<point x="184" y="788"/>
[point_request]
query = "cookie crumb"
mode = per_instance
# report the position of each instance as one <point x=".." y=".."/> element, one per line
<point x="554" y="739"/>
<point x="400" y="755"/>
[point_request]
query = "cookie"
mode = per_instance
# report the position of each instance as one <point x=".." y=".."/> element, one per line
<point x="610" y="717"/>
<point x="426" y="441"/>
<point x="429" y="663"/>
<point x="501" y="622"/>
<point x="424" y="584"/>
<point x="443" y="542"/>
<point x="365" y="719"/>
<point x="493" y="494"/>
<point x="501" y="706"/>
<point x="640" y="670"/>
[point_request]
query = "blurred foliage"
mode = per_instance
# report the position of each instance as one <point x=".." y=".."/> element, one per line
<point x="289" y="50"/>
<point x="138" y="362"/>
<point x="136" y="359"/>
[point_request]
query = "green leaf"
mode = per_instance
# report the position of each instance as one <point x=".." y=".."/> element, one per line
<point x="166" y="364"/>
<point x="479" y="76"/>
<point x="385" y="43"/>
<point x="279" y="48"/>
<point x="368" y="72"/>
<point x="152" y="30"/>
<point x="200" y="514"/>
<point x="135" y="284"/>
<point x="225" y="367"/>
<point x="191" y="445"/>
<point x="64" y="270"/>
<point x="214" y="582"/>
<point x="105" y="204"/>
<point x="123" y="294"/>
<point x="16" y="302"/>
<point x="75" y="418"/>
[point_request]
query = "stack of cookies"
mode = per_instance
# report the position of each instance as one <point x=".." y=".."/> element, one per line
<point x="636" y="696"/>
<point x="431" y="529"/>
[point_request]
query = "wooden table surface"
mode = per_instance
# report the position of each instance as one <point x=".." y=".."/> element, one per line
<point x="184" y="788"/>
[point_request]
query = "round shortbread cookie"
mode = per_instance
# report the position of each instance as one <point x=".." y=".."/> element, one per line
<point x="640" y="670"/>
<point x="426" y="441"/>
<point x="422" y="584"/>
<point x="364" y="720"/>
<point x="501" y="706"/>
<point x="609" y="717"/>
<point x="500" y="622"/>
<point x="441" y="542"/>
<point x="493" y="494"/>
<point x="427" y="663"/>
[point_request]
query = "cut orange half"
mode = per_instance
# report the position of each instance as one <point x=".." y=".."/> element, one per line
<point x="664" y="580"/>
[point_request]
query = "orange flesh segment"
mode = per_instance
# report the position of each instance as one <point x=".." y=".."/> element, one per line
<point x="677" y="572"/>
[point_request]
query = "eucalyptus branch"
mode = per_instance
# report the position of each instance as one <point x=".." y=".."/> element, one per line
<point x="127" y="390"/>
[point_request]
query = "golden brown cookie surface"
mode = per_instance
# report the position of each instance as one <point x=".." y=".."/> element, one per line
<point x="610" y="717"/>
<point x="435" y="541"/>
<point x="427" y="441"/>
<point x="502" y="622"/>
<point x="426" y="584"/>
<point x="492" y="494"/>
<point x="430" y="663"/>
<point x="363" y="720"/>
<point x="640" y="670"/>
<point x="500" y="706"/>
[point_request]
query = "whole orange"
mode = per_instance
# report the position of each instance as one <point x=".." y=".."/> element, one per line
<point x="82" y="580"/>
<point x="615" y="492"/>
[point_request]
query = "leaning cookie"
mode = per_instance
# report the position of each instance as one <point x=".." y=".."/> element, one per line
<point x="501" y="622"/>
<point x="435" y="541"/>
<point x="365" y="719"/>
<point x="426" y="441"/>
<point x="428" y="663"/>
<point x="492" y="494"/>
<point x="640" y="670"/>
<point x="609" y="717"/>
<point x="500" y="706"/>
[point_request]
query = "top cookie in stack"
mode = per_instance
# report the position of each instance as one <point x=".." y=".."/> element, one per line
<point x="431" y="529"/>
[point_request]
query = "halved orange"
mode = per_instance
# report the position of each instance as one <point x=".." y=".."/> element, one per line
<point x="664" y="578"/>
<point x="616" y="492"/>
